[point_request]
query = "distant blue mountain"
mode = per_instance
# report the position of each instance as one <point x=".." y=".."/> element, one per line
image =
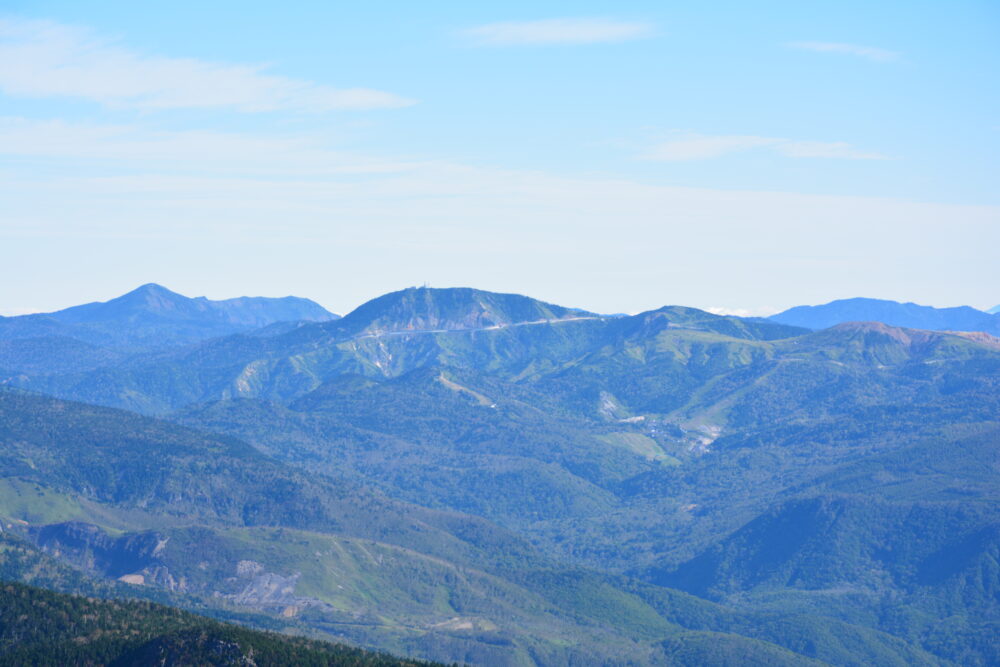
<point x="995" y="310"/>
<point x="893" y="313"/>
<point x="152" y="316"/>
<point x="154" y="303"/>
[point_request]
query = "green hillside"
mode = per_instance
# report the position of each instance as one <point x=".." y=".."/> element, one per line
<point x="157" y="506"/>
<point x="45" y="628"/>
<point x="471" y="593"/>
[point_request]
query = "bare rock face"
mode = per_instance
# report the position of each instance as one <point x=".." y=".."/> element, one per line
<point x="248" y="568"/>
<point x="269" y="591"/>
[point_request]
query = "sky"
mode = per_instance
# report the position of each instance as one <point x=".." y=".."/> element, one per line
<point x="618" y="157"/>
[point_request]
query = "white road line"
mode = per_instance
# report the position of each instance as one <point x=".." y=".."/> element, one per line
<point x="379" y="334"/>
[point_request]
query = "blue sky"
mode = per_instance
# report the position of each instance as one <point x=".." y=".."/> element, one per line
<point x="612" y="156"/>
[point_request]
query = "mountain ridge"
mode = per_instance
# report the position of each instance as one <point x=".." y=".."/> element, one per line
<point x="909" y="315"/>
<point x="152" y="299"/>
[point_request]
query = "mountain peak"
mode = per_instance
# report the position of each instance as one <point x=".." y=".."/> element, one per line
<point x="145" y="300"/>
<point x="153" y="316"/>
<point x="452" y="308"/>
<point x="898" y="334"/>
<point x="150" y="288"/>
<point x="149" y="292"/>
<point x="694" y="319"/>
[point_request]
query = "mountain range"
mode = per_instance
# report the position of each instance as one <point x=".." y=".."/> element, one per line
<point x="462" y="475"/>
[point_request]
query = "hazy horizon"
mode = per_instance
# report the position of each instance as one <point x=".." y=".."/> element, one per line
<point x="718" y="310"/>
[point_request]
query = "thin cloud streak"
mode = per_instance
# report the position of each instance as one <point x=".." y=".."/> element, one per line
<point x="191" y="150"/>
<point x="869" y="52"/>
<point x="281" y="203"/>
<point x="704" y="147"/>
<point x="44" y="59"/>
<point x="557" y="31"/>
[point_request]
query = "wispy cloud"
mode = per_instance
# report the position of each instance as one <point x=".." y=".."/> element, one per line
<point x="869" y="52"/>
<point x="557" y="31"/>
<point x="138" y="199"/>
<point x="825" y="149"/>
<point x="703" y="147"/>
<point x="43" y="59"/>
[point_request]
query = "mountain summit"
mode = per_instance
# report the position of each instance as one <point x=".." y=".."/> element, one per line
<point x="152" y="301"/>
<point x="151" y="297"/>
<point x="449" y="309"/>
